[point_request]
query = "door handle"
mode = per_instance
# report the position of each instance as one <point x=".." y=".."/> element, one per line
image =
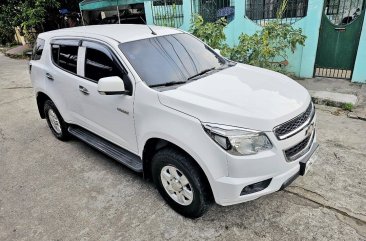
<point x="49" y="76"/>
<point x="340" y="29"/>
<point x="83" y="90"/>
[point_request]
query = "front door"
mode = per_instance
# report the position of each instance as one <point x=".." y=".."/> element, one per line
<point x="109" y="116"/>
<point x="339" y="37"/>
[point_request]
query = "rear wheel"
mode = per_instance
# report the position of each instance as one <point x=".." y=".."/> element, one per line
<point x="180" y="183"/>
<point x="55" y="121"/>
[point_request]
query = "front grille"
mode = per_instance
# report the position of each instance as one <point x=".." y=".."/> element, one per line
<point x="286" y="128"/>
<point x="299" y="149"/>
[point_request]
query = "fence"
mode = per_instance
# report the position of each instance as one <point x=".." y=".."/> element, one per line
<point x="168" y="13"/>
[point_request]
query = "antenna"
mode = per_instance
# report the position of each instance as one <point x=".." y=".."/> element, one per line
<point x="152" y="31"/>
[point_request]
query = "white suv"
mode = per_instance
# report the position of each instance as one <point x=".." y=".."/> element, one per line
<point x="165" y="104"/>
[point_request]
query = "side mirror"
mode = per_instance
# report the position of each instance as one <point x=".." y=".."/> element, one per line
<point x="217" y="51"/>
<point x="111" y="86"/>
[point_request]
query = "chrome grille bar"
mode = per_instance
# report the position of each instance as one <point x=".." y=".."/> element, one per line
<point x="296" y="124"/>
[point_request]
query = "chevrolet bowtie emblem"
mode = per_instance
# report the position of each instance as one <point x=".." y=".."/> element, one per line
<point x="310" y="130"/>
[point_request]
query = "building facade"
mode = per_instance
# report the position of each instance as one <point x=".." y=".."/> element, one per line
<point x="336" y="29"/>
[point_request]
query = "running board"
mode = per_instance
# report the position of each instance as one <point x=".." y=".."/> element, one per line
<point x="118" y="153"/>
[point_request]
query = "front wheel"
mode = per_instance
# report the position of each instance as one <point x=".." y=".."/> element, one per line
<point x="180" y="183"/>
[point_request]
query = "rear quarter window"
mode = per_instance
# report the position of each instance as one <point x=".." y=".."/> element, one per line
<point x="38" y="49"/>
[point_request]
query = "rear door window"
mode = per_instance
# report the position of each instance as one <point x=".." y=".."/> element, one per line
<point x="38" y="49"/>
<point x="65" y="57"/>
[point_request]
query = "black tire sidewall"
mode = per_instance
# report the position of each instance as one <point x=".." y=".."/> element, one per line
<point x="179" y="161"/>
<point x="64" y="132"/>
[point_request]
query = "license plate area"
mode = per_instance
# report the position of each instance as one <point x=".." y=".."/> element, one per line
<point x="305" y="165"/>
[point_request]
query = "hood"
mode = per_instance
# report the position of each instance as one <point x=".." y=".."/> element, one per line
<point x="242" y="96"/>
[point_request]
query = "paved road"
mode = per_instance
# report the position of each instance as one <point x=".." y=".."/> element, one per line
<point x="52" y="190"/>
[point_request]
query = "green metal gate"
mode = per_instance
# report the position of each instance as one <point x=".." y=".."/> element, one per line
<point x="339" y="37"/>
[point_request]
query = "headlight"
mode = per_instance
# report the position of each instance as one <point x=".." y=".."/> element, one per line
<point x="238" y="141"/>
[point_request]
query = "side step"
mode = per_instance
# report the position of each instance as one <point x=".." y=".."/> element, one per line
<point x="118" y="153"/>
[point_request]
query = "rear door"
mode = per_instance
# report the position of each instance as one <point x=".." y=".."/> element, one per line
<point x="61" y="76"/>
<point x="109" y="116"/>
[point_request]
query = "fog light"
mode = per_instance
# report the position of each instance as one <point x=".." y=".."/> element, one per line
<point x="255" y="187"/>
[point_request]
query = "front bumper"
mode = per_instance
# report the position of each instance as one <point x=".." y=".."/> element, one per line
<point x="228" y="190"/>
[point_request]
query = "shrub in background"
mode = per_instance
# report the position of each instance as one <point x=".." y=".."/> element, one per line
<point x="266" y="48"/>
<point x="212" y="33"/>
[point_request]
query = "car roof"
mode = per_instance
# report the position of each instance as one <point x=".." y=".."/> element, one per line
<point x="119" y="32"/>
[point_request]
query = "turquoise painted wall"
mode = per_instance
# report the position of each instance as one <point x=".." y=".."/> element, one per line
<point x="311" y="30"/>
<point x="302" y="61"/>
<point x="241" y="24"/>
<point x="359" y="74"/>
<point x="148" y="13"/>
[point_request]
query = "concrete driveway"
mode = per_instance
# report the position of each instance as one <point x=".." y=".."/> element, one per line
<point x="52" y="190"/>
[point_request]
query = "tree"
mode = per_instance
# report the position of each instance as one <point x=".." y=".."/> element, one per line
<point x="27" y="14"/>
<point x="33" y="13"/>
<point x="8" y="10"/>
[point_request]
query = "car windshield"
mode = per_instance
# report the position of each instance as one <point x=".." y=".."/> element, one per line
<point x="170" y="59"/>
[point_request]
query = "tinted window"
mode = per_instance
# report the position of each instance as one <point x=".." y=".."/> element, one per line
<point x="99" y="65"/>
<point x="38" y="49"/>
<point x="65" y="57"/>
<point x="171" y="58"/>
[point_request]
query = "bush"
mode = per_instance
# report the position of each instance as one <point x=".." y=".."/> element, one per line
<point x="266" y="48"/>
<point x="210" y="33"/>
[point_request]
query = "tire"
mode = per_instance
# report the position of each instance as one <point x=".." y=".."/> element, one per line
<point x="164" y="163"/>
<point x="59" y="130"/>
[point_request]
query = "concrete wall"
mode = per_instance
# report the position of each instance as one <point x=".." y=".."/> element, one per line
<point x="359" y="73"/>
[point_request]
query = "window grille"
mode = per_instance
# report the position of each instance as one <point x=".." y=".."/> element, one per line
<point x="212" y="10"/>
<point x="263" y="11"/>
<point x="167" y="2"/>
<point x="342" y="12"/>
<point x="332" y="7"/>
<point x="168" y="13"/>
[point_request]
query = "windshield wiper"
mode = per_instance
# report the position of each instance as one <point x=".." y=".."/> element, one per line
<point x="201" y="73"/>
<point x="183" y="82"/>
<point x="169" y="83"/>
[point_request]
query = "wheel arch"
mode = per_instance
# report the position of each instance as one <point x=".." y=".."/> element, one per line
<point x="153" y="145"/>
<point x="41" y="99"/>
